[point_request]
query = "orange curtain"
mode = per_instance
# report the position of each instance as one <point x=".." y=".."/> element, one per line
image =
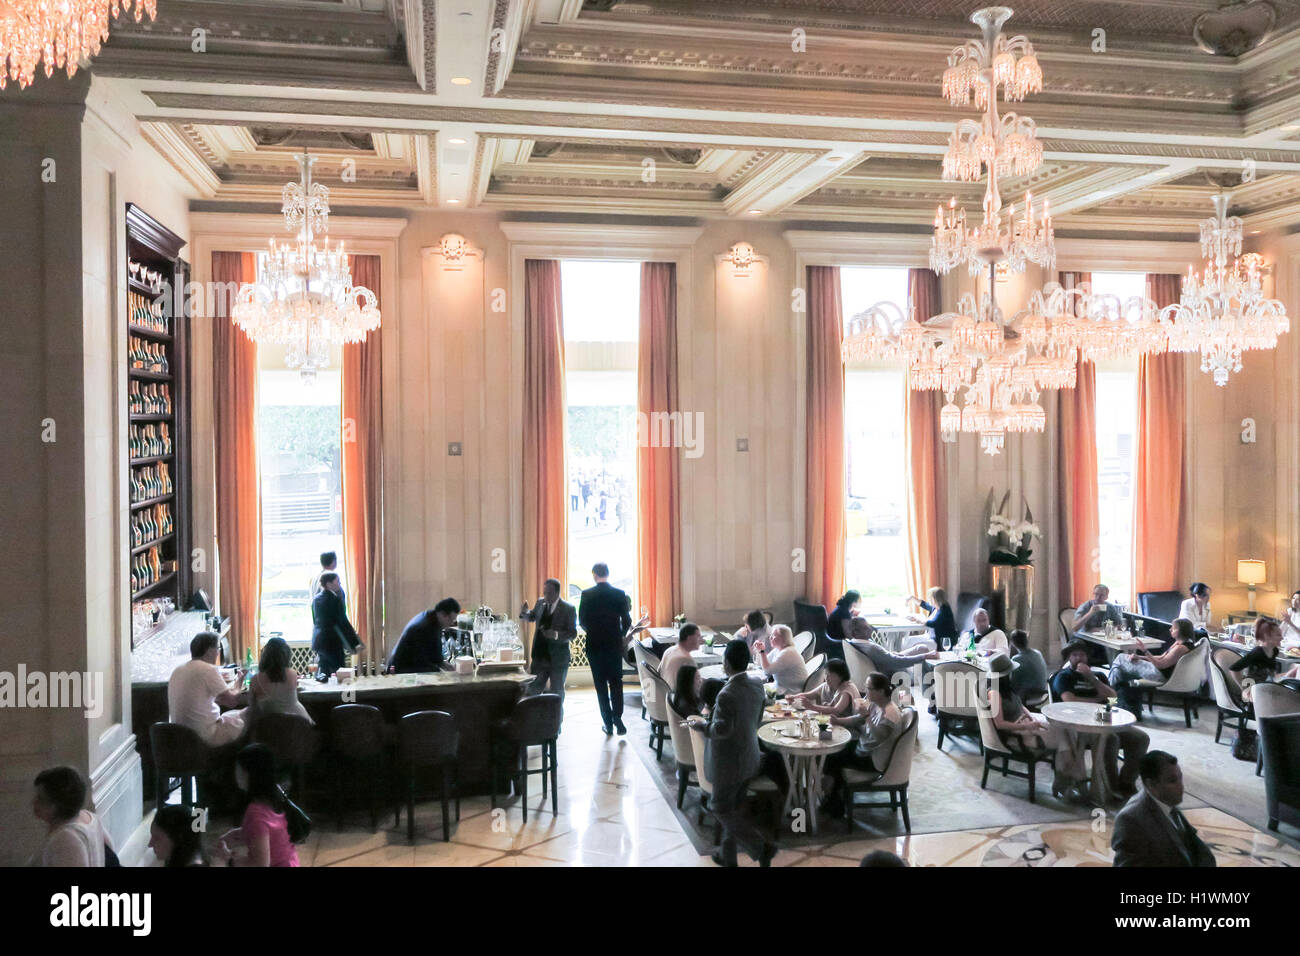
<point x="1158" y="482"/>
<point x="827" y="491"/>
<point x="924" y="455"/>
<point x="546" y="509"/>
<point x="239" y="503"/>
<point x="658" y="491"/>
<point x="1077" y="491"/>
<point x="363" y="473"/>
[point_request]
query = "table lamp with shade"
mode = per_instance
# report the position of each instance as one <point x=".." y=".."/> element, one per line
<point x="1251" y="573"/>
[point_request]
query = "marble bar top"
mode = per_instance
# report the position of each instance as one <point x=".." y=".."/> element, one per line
<point x="156" y="656"/>
<point x="398" y="685"/>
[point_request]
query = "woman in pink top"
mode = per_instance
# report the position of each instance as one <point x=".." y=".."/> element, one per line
<point x="262" y="838"/>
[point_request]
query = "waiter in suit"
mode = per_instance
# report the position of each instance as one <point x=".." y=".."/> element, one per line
<point x="1151" y="830"/>
<point x="605" y="613"/>
<point x="557" y="625"/>
<point x="731" y="755"/>
<point x="332" y="634"/>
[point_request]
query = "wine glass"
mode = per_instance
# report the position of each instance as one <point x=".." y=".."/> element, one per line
<point x="947" y="644"/>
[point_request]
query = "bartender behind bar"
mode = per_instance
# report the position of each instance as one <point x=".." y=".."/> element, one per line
<point x="419" y="649"/>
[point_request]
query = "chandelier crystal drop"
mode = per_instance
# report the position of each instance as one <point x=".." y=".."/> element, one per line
<point x="56" y="34"/>
<point x="303" y="297"/>
<point x="1222" y="311"/>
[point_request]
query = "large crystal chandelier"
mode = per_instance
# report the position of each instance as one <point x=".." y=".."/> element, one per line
<point x="1222" y="311"/>
<point x="304" y="297"/>
<point x="57" y="34"/>
<point x="999" y="364"/>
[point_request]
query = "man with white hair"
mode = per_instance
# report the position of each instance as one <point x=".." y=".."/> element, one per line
<point x="986" y="637"/>
<point x="784" y="663"/>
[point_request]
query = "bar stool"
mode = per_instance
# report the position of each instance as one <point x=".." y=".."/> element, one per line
<point x="428" y="738"/>
<point x="358" y="740"/>
<point x="535" y="722"/>
<point x="293" y="742"/>
<point x="177" y="752"/>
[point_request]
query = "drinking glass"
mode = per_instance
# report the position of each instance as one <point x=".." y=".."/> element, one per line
<point x="947" y="644"/>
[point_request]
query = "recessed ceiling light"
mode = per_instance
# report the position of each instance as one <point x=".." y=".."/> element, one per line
<point x="453" y="201"/>
<point x="466" y="15"/>
<point x="457" y="141"/>
<point x="461" y="81"/>
<point x="755" y="212"/>
<point x="1254" y="232"/>
<point x="1291" y="127"/>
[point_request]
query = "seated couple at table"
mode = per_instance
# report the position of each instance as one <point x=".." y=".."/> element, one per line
<point x="875" y="722"/>
<point x="1261" y="664"/>
<point x="1142" y="664"/>
<point x="1076" y="681"/>
<point x="941" y="623"/>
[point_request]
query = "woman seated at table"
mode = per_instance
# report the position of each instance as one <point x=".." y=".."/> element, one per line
<point x="875" y="722"/>
<point x="941" y="622"/>
<point x="757" y="627"/>
<point x="1197" y="607"/>
<point x="784" y="664"/>
<point x="1291" y="622"/>
<point x="1019" y="728"/>
<point x="275" y="687"/>
<point x="838" y="624"/>
<point x="1141" y="664"/>
<point x="685" y="700"/>
<point x="1259" y="664"/>
<point x="836" y="695"/>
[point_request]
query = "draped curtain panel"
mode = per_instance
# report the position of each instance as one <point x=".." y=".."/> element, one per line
<point x="924" y="454"/>
<point x="363" y="473"/>
<point x="827" y="491"/>
<point x="1158" y="481"/>
<point x="546" y="513"/>
<point x="238" y="477"/>
<point x="1076" y="437"/>
<point x="658" y="474"/>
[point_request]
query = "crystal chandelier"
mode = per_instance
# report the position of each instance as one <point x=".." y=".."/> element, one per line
<point x="55" y="33"/>
<point x="303" y="297"/>
<point x="1222" y="311"/>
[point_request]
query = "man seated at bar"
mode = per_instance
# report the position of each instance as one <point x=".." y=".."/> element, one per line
<point x="1093" y="615"/>
<point x="1076" y="681"/>
<point x="419" y="649"/>
<point x="197" y="691"/>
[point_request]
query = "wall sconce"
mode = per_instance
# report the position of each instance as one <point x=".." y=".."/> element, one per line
<point x="741" y="258"/>
<point x="453" y="248"/>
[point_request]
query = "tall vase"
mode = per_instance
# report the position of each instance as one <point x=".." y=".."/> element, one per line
<point x="1015" y="583"/>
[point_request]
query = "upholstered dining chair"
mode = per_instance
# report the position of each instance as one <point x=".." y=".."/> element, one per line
<point x="893" y="780"/>
<point x="1233" y="711"/>
<point x="1184" y="682"/>
<point x="995" y="749"/>
<point x="1271" y="700"/>
<point x="646" y="664"/>
<point x="816" y="672"/>
<point x="805" y="643"/>
<point x="656" y="704"/>
<point x="955" y="694"/>
<point x="860" y="665"/>
<point x="1065" y="617"/>
<point x="683" y="751"/>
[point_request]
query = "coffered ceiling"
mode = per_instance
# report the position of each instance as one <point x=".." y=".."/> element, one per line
<point x="801" y="110"/>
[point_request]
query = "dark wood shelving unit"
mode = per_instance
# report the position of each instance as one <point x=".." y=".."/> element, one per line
<point x="157" y="318"/>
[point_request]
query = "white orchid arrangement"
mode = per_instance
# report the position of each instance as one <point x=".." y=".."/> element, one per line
<point x="1014" y="536"/>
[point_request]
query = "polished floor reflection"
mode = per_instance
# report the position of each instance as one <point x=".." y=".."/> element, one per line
<point x="612" y="813"/>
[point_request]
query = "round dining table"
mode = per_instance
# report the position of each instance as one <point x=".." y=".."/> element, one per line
<point x="1080" y="717"/>
<point x="718" y="672"/>
<point x="803" y="760"/>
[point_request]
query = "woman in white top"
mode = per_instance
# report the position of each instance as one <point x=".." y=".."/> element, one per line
<point x="836" y="695"/>
<point x="1197" y="607"/>
<point x="76" y="836"/>
<point x="1291" y="622"/>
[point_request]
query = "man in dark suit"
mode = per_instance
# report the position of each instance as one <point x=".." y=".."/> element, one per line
<point x="557" y="625"/>
<point x="731" y="756"/>
<point x="605" y="613"/>
<point x="1151" y="830"/>
<point x="332" y="633"/>
<point x="419" y="649"/>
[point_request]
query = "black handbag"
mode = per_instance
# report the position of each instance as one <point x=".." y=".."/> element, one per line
<point x="296" y="818"/>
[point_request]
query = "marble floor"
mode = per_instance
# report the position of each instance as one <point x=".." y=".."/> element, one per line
<point x="611" y="812"/>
